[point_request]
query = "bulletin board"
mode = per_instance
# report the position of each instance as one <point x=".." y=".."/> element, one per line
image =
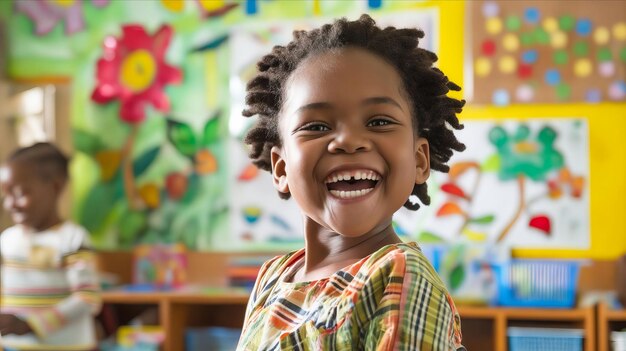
<point x="546" y="52"/>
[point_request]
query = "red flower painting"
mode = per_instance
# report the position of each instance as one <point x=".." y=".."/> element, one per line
<point x="133" y="69"/>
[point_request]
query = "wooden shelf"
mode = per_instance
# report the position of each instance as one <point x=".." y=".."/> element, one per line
<point x="485" y="328"/>
<point x="608" y="320"/>
<point x="178" y="310"/>
<point x="182" y="309"/>
<point x="127" y="297"/>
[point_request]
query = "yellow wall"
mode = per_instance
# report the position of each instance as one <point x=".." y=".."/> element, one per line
<point x="607" y="143"/>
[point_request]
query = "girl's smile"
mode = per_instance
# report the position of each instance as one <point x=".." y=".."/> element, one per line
<point x="352" y="184"/>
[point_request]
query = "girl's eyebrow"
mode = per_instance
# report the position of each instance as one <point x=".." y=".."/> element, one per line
<point x="315" y="106"/>
<point x="369" y="101"/>
<point x="382" y="100"/>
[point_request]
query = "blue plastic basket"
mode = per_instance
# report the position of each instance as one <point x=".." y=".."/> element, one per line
<point x="545" y="339"/>
<point x="211" y="338"/>
<point x="537" y="283"/>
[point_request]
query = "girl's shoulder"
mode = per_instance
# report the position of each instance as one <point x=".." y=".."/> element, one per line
<point x="401" y="260"/>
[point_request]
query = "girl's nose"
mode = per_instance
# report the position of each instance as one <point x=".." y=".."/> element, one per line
<point x="347" y="140"/>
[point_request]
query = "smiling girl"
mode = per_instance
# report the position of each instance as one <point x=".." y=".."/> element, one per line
<point x="351" y="119"/>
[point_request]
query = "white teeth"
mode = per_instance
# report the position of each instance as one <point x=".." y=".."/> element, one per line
<point x="356" y="175"/>
<point x="350" y="194"/>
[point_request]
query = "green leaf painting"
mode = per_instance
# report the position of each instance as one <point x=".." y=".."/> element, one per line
<point x="182" y="137"/>
<point x="211" y="131"/>
<point x="86" y="142"/>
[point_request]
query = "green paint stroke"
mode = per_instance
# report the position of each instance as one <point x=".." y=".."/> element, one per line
<point x="522" y="155"/>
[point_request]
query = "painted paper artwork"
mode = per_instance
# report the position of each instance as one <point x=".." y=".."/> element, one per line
<point x="520" y="184"/>
<point x="162" y="266"/>
<point x="259" y="219"/>
<point x="546" y="51"/>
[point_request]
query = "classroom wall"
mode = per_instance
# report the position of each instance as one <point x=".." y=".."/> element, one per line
<point x="607" y="136"/>
<point x="607" y="131"/>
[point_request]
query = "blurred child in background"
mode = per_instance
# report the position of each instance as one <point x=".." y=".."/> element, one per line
<point x="49" y="285"/>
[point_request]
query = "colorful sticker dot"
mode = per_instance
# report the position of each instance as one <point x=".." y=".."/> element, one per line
<point x="507" y="64"/>
<point x="563" y="91"/>
<point x="619" y="31"/>
<point x="583" y="27"/>
<point x="560" y="57"/>
<point x="524" y="93"/>
<point x="606" y="69"/>
<point x="601" y="35"/>
<point x="510" y="42"/>
<point x="374" y="4"/>
<point x="513" y="23"/>
<point x="482" y="66"/>
<point x="490" y="9"/>
<point x="581" y="49"/>
<point x="527" y="39"/>
<point x="531" y="15"/>
<point x="604" y="54"/>
<point x="617" y="90"/>
<point x="530" y="56"/>
<point x="550" y="24"/>
<point x="541" y="36"/>
<point x="566" y="23"/>
<point x="553" y="77"/>
<point x="494" y="25"/>
<point x="593" y="95"/>
<point x="622" y="54"/>
<point x="558" y="40"/>
<point x="524" y="71"/>
<point x="501" y="97"/>
<point x="582" y="67"/>
<point x="488" y="47"/>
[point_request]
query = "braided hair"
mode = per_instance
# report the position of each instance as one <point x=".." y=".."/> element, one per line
<point x="434" y="113"/>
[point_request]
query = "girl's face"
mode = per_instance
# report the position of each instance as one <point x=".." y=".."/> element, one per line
<point x="349" y="155"/>
<point x="30" y="200"/>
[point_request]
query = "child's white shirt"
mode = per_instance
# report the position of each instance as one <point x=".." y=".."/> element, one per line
<point x="50" y="280"/>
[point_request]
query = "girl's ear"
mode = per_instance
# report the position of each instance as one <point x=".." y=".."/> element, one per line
<point x="422" y="160"/>
<point x="279" y="172"/>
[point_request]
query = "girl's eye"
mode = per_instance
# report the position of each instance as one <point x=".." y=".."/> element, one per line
<point x="314" y="127"/>
<point x="378" y="123"/>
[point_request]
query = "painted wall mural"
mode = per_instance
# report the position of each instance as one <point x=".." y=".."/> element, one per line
<point x="157" y="90"/>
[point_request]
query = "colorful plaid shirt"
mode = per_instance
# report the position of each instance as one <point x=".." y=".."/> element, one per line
<point x="390" y="300"/>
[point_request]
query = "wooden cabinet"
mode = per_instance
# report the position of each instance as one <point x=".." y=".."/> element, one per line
<point x="484" y="328"/>
<point x="608" y="320"/>
<point x="178" y="311"/>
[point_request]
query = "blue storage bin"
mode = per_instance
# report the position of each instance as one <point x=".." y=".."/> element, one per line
<point x="545" y="339"/>
<point x="537" y="283"/>
<point x="211" y="338"/>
